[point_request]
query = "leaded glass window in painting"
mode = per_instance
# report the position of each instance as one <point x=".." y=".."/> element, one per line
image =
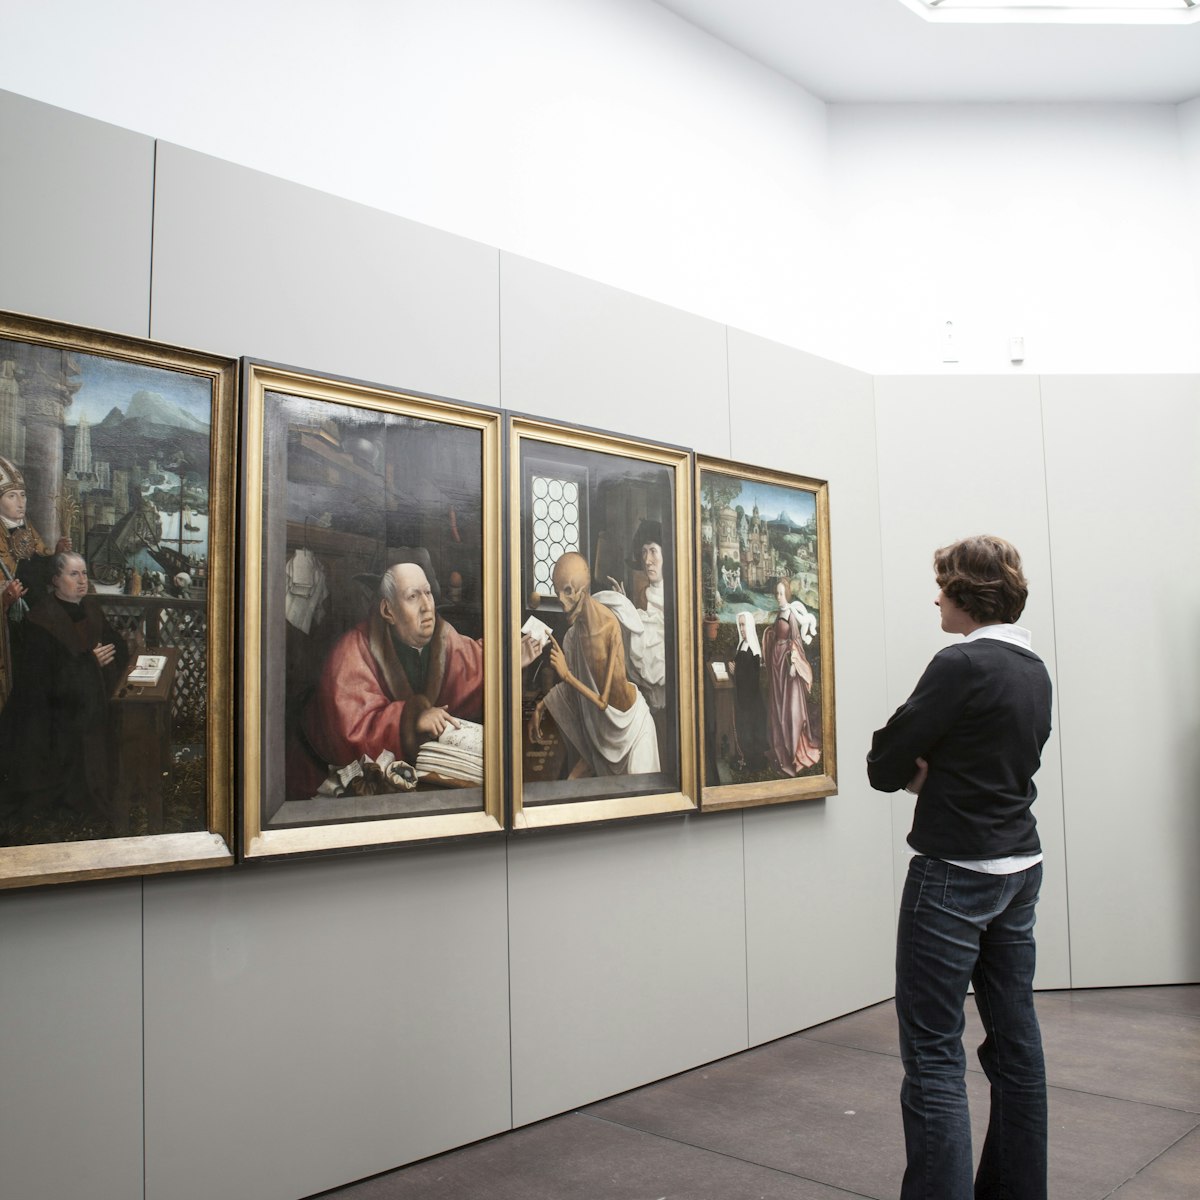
<point x="557" y="523"/>
<point x="556" y="502"/>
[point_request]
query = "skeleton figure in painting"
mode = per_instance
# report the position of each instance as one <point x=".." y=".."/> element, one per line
<point x="794" y="745"/>
<point x="396" y="680"/>
<point x="596" y="707"/>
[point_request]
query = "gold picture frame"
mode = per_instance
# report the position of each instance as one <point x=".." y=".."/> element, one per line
<point x="134" y="773"/>
<point x="765" y="636"/>
<point x="599" y="542"/>
<point x="371" y="717"/>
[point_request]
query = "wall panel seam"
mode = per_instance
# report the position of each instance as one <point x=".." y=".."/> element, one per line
<point x="1062" y="780"/>
<point x="887" y="688"/>
<point x="512" y="1106"/>
<point x="142" y="927"/>
<point x="153" y="231"/>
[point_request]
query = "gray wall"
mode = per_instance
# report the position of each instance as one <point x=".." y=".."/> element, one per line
<point x="1095" y="478"/>
<point x="960" y="456"/>
<point x="273" y="1032"/>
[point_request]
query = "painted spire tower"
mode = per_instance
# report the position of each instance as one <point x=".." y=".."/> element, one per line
<point x="81" y="459"/>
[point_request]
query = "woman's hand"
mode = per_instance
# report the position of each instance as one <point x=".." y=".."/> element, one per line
<point x="917" y="782"/>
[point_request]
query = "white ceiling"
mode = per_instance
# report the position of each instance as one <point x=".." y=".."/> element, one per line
<point x="846" y="51"/>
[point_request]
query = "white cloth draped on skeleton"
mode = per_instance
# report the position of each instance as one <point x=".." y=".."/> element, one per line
<point x="646" y="641"/>
<point x="613" y="742"/>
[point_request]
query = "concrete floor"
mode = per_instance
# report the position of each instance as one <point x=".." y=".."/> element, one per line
<point x="816" y="1116"/>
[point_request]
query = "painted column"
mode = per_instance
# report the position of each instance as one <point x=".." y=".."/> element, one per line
<point x="49" y="381"/>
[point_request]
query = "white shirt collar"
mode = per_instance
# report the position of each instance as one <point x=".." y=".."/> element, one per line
<point x="11" y="524"/>
<point x="1018" y="635"/>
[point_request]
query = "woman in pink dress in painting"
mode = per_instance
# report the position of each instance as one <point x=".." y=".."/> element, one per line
<point x="794" y="744"/>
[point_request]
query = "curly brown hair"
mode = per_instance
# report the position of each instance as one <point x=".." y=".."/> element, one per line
<point x="983" y="576"/>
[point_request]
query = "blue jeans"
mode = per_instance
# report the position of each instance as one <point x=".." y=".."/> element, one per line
<point x="960" y="927"/>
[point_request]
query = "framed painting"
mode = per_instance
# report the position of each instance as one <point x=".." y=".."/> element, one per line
<point x="372" y="691"/>
<point x="116" y="576"/>
<point x="602" y="704"/>
<point x="766" y="636"/>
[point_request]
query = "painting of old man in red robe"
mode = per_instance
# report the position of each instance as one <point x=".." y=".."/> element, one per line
<point x="399" y="679"/>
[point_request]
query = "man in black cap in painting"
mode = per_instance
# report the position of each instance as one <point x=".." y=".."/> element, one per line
<point x="648" y="655"/>
<point x="648" y="551"/>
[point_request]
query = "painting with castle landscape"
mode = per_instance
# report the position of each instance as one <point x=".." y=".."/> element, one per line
<point x="116" y="489"/>
<point x="766" y="636"/>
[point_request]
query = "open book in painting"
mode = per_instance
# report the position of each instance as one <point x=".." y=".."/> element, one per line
<point x="147" y="670"/>
<point x="455" y="758"/>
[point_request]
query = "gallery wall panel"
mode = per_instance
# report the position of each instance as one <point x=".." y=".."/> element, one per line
<point x="71" y="1042"/>
<point x="581" y="351"/>
<point x="1124" y="500"/>
<point x="420" y="1062"/>
<point x="628" y="944"/>
<point x="795" y="412"/>
<point x="960" y="456"/>
<point x="75" y="210"/>
<point x="628" y="956"/>
<point x="264" y="267"/>
<point x="312" y="1023"/>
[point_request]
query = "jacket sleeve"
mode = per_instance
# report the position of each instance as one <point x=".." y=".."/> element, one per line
<point x="920" y="722"/>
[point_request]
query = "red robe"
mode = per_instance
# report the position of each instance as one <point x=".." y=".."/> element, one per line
<point x="365" y="704"/>
<point x="793" y="743"/>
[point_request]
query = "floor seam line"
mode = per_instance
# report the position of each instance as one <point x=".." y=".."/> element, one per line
<point x="750" y="1162"/>
<point x="1060" y="1087"/>
<point x="1152" y="1161"/>
<point x="1077" y="1091"/>
<point x="857" y="1049"/>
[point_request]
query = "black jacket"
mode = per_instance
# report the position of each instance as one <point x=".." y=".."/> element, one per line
<point x="979" y="716"/>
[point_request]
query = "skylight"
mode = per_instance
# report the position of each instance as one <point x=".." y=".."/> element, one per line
<point x="1044" y="4"/>
<point x="1099" y="12"/>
